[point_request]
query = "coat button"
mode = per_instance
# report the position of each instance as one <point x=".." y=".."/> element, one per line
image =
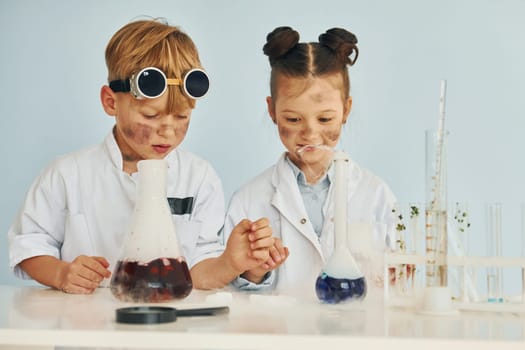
<point x="303" y="221"/>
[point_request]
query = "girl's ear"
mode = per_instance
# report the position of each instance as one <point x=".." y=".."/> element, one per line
<point x="347" y="108"/>
<point x="271" y="108"/>
<point x="109" y="100"/>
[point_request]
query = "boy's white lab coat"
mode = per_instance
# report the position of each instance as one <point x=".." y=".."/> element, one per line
<point x="275" y="194"/>
<point x="83" y="204"/>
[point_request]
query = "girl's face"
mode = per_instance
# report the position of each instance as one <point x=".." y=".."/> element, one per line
<point x="143" y="129"/>
<point x="309" y="112"/>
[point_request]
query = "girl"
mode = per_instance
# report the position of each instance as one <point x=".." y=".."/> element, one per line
<point x="309" y="103"/>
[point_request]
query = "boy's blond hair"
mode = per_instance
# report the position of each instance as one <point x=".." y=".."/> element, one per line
<point x="151" y="43"/>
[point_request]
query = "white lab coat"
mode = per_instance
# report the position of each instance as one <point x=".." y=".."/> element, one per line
<point x="83" y="203"/>
<point x="275" y="194"/>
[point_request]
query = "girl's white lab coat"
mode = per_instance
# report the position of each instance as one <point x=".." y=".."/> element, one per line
<point x="275" y="194"/>
<point x="83" y="203"/>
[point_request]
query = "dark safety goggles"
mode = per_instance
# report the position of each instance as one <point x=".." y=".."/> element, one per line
<point x="151" y="82"/>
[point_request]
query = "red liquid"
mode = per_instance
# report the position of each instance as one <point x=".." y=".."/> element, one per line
<point x="159" y="280"/>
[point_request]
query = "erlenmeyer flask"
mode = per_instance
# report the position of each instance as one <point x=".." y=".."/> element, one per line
<point x="341" y="280"/>
<point x="151" y="268"/>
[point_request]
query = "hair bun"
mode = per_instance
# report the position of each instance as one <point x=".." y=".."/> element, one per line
<point x="280" y="41"/>
<point x="341" y="41"/>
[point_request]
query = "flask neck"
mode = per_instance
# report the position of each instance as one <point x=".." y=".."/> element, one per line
<point x="340" y="199"/>
<point x="152" y="232"/>
<point x="152" y="178"/>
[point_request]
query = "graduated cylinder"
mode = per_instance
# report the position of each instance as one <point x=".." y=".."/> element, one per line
<point x="436" y="208"/>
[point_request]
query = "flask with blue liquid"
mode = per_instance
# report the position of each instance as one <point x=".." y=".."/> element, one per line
<point x="341" y="280"/>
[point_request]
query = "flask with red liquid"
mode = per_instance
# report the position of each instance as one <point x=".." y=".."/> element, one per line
<point x="151" y="268"/>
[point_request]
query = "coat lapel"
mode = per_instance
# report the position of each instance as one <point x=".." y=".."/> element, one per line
<point x="287" y="200"/>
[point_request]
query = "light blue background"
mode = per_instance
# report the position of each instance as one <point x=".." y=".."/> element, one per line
<point x="52" y="62"/>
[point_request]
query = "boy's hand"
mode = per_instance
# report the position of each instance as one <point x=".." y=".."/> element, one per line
<point x="278" y="255"/>
<point x="83" y="275"/>
<point x="249" y="244"/>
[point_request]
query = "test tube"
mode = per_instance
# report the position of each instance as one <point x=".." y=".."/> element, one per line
<point x="460" y="245"/>
<point x="414" y="227"/>
<point x="400" y="271"/>
<point x="416" y="239"/>
<point x="523" y="251"/>
<point x="494" y="274"/>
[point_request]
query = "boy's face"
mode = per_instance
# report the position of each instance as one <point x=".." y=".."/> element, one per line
<point x="144" y="130"/>
<point x="309" y="112"/>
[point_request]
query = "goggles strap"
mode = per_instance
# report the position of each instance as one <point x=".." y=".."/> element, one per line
<point x="173" y="81"/>
<point x="120" y="85"/>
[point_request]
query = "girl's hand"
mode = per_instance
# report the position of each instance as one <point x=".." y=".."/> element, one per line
<point x="83" y="275"/>
<point x="249" y="245"/>
<point x="278" y="255"/>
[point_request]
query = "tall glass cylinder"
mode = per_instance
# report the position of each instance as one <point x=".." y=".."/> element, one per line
<point x="523" y="251"/>
<point x="436" y="208"/>
<point x="494" y="274"/>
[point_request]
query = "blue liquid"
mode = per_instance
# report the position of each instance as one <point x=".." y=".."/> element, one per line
<point x="495" y="300"/>
<point x="337" y="290"/>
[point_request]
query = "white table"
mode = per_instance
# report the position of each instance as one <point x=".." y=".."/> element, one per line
<point x="37" y="316"/>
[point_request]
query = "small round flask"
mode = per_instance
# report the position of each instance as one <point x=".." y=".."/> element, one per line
<point x="151" y="268"/>
<point x="341" y="280"/>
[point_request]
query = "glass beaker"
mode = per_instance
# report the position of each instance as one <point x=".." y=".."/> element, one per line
<point x="151" y="268"/>
<point x="341" y="280"/>
<point x="436" y="209"/>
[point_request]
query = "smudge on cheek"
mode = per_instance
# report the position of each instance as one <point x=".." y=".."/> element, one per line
<point x="182" y="129"/>
<point x="285" y="132"/>
<point x="128" y="132"/>
<point x="332" y="134"/>
<point x="139" y="133"/>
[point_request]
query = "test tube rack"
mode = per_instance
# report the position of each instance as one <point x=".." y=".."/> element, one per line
<point x="411" y="299"/>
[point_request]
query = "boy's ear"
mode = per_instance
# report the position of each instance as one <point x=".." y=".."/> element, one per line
<point x="271" y="108"/>
<point x="108" y="99"/>
<point x="347" y="109"/>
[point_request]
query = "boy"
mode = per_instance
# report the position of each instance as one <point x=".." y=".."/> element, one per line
<point x="73" y="222"/>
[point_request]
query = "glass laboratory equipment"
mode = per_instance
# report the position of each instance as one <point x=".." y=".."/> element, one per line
<point x="436" y="209"/>
<point x="523" y="251"/>
<point x="341" y="280"/>
<point x="151" y="268"/>
<point x="401" y="272"/>
<point x="460" y="246"/>
<point x="437" y="297"/>
<point x="494" y="273"/>
<point x="414" y="228"/>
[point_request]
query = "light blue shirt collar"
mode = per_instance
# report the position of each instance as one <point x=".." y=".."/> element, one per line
<point x="301" y="177"/>
<point x="314" y="195"/>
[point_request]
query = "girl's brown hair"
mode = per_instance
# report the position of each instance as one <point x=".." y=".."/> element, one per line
<point x="151" y="43"/>
<point x="331" y="55"/>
